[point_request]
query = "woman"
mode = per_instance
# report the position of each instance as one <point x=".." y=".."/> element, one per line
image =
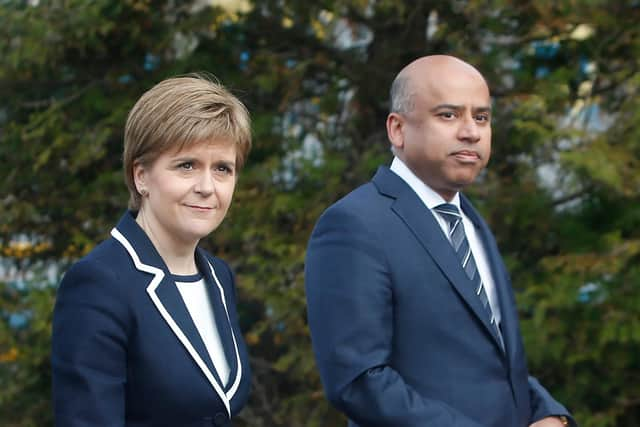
<point x="145" y="330"/>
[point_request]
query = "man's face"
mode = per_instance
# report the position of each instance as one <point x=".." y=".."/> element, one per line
<point x="446" y="137"/>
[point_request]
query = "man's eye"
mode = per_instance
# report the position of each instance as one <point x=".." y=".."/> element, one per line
<point x="186" y="166"/>
<point x="448" y="114"/>
<point x="482" y="118"/>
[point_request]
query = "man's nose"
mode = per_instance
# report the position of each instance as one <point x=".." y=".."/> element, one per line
<point x="469" y="131"/>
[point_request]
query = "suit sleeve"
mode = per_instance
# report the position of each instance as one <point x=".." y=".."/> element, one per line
<point x="350" y="312"/>
<point x="89" y="348"/>
<point x="544" y="405"/>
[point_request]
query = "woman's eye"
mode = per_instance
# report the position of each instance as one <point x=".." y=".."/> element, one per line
<point x="482" y="118"/>
<point x="186" y="166"/>
<point x="224" y="169"/>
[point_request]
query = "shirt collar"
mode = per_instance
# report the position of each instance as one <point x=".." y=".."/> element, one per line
<point x="429" y="197"/>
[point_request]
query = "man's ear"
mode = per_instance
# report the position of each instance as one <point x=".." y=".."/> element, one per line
<point x="395" y="130"/>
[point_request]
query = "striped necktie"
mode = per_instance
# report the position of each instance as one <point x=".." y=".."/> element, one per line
<point x="460" y="244"/>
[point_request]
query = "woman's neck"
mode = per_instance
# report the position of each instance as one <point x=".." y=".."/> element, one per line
<point x="178" y="256"/>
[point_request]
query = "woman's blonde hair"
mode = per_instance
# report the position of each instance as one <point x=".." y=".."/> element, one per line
<point x="177" y="112"/>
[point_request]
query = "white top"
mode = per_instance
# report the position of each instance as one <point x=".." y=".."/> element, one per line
<point x="431" y="199"/>
<point x="194" y="294"/>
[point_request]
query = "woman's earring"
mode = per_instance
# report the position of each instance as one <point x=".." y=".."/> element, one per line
<point x="143" y="192"/>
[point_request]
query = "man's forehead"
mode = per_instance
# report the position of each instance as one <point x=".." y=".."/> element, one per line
<point x="433" y="95"/>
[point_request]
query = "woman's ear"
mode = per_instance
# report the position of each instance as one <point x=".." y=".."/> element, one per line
<point x="140" y="178"/>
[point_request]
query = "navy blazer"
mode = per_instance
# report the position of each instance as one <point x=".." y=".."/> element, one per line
<point x="400" y="338"/>
<point x="125" y="350"/>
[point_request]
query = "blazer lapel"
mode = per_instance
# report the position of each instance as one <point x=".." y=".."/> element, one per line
<point x="167" y="299"/>
<point x="509" y="323"/>
<point x="223" y="323"/>
<point x="168" y="295"/>
<point x="423" y="225"/>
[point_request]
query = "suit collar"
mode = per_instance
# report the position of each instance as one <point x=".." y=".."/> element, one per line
<point x="166" y="298"/>
<point x="423" y="225"/>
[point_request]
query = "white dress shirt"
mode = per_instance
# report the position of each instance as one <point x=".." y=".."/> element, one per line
<point x="431" y="199"/>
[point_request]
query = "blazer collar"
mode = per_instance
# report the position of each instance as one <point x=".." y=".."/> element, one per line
<point x="167" y="300"/>
<point x="424" y="226"/>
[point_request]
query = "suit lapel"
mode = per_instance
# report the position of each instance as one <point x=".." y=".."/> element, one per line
<point x="166" y="298"/>
<point x="509" y="323"/>
<point x="426" y="229"/>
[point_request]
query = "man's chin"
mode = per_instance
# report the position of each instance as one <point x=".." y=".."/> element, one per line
<point x="466" y="178"/>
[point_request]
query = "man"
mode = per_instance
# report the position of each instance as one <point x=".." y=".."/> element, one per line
<point x="411" y="310"/>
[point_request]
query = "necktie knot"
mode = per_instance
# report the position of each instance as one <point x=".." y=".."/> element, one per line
<point x="449" y="212"/>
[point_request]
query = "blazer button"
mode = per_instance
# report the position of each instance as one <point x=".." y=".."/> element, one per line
<point x="220" y="420"/>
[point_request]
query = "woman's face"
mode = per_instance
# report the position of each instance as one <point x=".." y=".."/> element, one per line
<point x="188" y="192"/>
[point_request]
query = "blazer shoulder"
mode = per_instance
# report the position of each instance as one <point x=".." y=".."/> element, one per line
<point x="358" y="202"/>
<point x="98" y="286"/>
<point x="360" y="219"/>
<point x="100" y="271"/>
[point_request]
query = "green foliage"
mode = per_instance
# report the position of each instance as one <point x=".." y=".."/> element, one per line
<point x="562" y="191"/>
<point x="25" y="332"/>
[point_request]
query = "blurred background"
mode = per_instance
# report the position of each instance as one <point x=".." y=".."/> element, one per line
<point x="562" y="192"/>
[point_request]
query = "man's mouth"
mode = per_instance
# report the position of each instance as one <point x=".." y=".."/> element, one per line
<point x="466" y="155"/>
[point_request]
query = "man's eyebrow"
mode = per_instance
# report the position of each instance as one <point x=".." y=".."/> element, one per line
<point x="483" y="109"/>
<point x="447" y="107"/>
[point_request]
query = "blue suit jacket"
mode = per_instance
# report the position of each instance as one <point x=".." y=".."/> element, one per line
<point x="400" y="338"/>
<point x="125" y="350"/>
